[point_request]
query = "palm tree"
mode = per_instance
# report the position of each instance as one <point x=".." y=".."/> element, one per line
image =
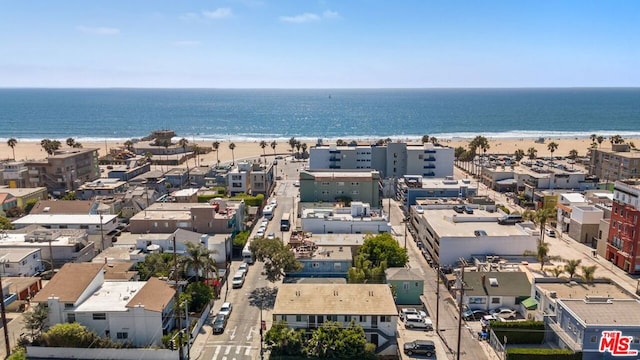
<point x="542" y="253"/>
<point x="216" y="145"/>
<point x="50" y="146"/>
<point x="71" y="142"/>
<point x="552" y="147"/>
<point x="196" y="150"/>
<point x="571" y="267"/>
<point x="573" y="153"/>
<point x="532" y="153"/>
<point x="600" y="139"/>
<point x="232" y="146"/>
<point x="341" y="142"/>
<point x="263" y="145"/>
<point x="292" y="143"/>
<point x="425" y="139"/>
<point x="557" y="271"/>
<point x="183" y="143"/>
<point x="434" y="140"/>
<point x="539" y="217"/>
<point x="616" y="139"/>
<point x="148" y="155"/>
<point x="198" y="258"/>
<point x="12" y="144"/>
<point x="304" y="149"/>
<point x="128" y="145"/>
<point x="519" y="154"/>
<point x="479" y="142"/>
<point x="273" y="146"/>
<point x="588" y="273"/>
<point x="77" y="145"/>
<point x="593" y="137"/>
<point x="298" y="145"/>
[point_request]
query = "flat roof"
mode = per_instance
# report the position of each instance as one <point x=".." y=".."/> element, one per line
<point x="337" y="239"/>
<point x="334" y="299"/>
<point x="16" y="254"/>
<point x="567" y="290"/>
<point x="162" y="215"/>
<point x="574" y="197"/>
<point x="441" y="220"/>
<point x="64" y="219"/>
<point x="62" y="207"/>
<point x="20" y="192"/>
<point x="19" y="241"/>
<point x="112" y="296"/>
<point x="509" y="283"/>
<point x="331" y="253"/>
<point x="615" y="312"/>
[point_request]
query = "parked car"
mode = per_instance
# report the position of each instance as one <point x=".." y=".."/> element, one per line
<point x="271" y="236"/>
<point x="219" y="323"/>
<point x="225" y="309"/>
<point x="244" y="267"/>
<point x="419" y="209"/>
<point x="511" y="219"/>
<point x="458" y="208"/>
<point x="260" y="233"/>
<point x="468" y="209"/>
<point x="422" y="347"/>
<point x="489" y="318"/>
<point x="296" y="183"/>
<point x="274" y="203"/>
<point x="550" y="232"/>
<point x="238" y="280"/>
<point x="412" y="321"/>
<point x="504" y="313"/>
<point x="410" y="311"/>
<point x="419" y="244"/>
<point x="264" y="222"/>
<point x="474" y="314"/>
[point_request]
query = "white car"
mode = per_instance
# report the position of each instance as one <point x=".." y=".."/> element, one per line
<point x="296" y="183"/>
<point x="264" y="222"/>
<point x="274" y="203"/>
<point x="271" y="236"/>
<point x="550" y="232"/>
<point x="238" y="280"/>
<point x="411" y="311"/>
<point x="504" y="313"/>
<point x="260" y="233"/>
<point x="417" y="322"/>
<point x="226" y="309"/>
<point x="244" y="267"/>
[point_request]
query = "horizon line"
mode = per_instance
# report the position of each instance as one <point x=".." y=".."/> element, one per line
<point x="307" y="88"/>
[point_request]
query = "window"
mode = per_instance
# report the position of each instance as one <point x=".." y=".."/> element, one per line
<point x="495" y="300"/>
<point x="298" y="318"/>
<point x="593" y="338"/>
<point x="340" y="183"/>
<point x="347" y="318"/>
<point x="405" y="285"/>
<point x="99" y="316"/>
<point x="363" y="318"/>
<point x="385" y="318"/>
<point x="71" y="318"/>
<point x="68" y="306"/>
<point x="337" y="266"/>
<point x="122" y="335"/>
<point x="315" y="265"/>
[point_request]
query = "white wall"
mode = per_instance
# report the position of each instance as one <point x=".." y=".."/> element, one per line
<point x="586" y="214"/>
<point x="38" y="352"/>
<point x="453" y="248"/>
<point x="324" y="226"/>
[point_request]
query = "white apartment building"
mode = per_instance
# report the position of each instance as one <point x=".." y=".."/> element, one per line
<point x="391" y="160"/>
<point x="20" y="261"/>
<point x="358" y="218"/>
<point x="308" y="306"/>
<point x="93" y="224"/>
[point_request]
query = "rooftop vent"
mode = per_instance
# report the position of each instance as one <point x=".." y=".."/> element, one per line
<point x="493" y="281"/>
<point x="597" y="299"/>
<point x="553" y="294"/>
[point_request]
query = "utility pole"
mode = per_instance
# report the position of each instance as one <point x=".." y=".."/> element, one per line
<point x="406" y="221"/>
<point x="437" y="297"/>
<point x="461" y="287"/>
<point x="177" y="299"/>
<point x="7" y="345"/>
<point x="101" y="234"/>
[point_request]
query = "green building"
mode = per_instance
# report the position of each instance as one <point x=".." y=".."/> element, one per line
<point x="340" y="185"/>
<point x="407" y="285"/>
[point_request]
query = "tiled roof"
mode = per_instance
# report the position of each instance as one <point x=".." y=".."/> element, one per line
<point x="62" y="207"/>
<point x="154" y="295"/>
<point x="70" y="282"/>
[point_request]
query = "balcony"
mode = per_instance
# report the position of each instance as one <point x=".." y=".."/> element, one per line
<point x="430" y="166"/>
<point x="431" y="151"/>
<point x="334" y="158"/>
<point x="334" y="166"/>
<point x="430" y="158"/>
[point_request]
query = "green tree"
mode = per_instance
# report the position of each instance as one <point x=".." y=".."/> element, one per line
<point x="200" y="294"/>
<point x="364" y="271"/>
<point x="552" y="147"/>
<point x="304" y="150"/>
<point x="616" y="139"/>
<point x="292" y="143"/>
<point x="241" y="239"/>
<point x="332" y="341"/>
<point x="12" y="144"/>
<point x="557" y="271"/>
<point x="14" y="212"/>
<point x="18" y="353"/>
<point x="69" y="335"/>
<point x="50" y="146"/>
<point x="340" y="142"/>
<point x="157" y="265"/>
<point x="532" y="153"/>
<point x="588" y="273"/>
<point x="197" y="258"/>
<point x="263" y="145"/>
<point x="278" y="259"/>
<point x="479" y="142"/>
<point x="71" y="142"/>
<point x="519" y="154"/>
<point x="540" y="218"/>
<point x="232" y="147"/>
<point x="71" y="195"/>
<point x="35" y="319"/>
<point x="282" y="340"/>
<point x="593" y="137"/>
<point x="5" y="224"/>
<point x="600" y="140"/>
<point x="215" y="146"/>
<point x="573" y="154"/>
<point x="273" y="147"/>
<point x="128" y="145"/>
<point x="425" y="139"/>
<point x="457" y="152"/>
<point x="542" y="255"/>
<point x="383" y="247"/>
<point x="571" y="267"/>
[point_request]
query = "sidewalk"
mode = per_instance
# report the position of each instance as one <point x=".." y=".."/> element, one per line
<point x="199" y="343"/>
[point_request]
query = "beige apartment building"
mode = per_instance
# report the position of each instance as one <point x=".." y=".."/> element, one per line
<point x="65" y="170"/>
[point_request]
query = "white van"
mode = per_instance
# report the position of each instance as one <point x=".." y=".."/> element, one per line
<point x="238" y="279"/>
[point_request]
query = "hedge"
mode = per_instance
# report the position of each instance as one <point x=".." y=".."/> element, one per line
<point x="519" y="332"/>
<point x="542" y="354"/>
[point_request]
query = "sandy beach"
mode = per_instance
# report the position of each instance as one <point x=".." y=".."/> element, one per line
<point x="25" y="150"/>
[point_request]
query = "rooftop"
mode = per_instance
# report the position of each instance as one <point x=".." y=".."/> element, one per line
<point x="155" y="295"/>
<point x="323" y="253"/>
<point x="16" y="254"/>
<point x="339" y="175"/>
<point x="441" y="220"/>
<point x="401" y="273"/>
<point x="111" y="296"/>
<point x="70" y="282"/>
<point x="335" y="299"/>
<point x="62" y="207"/>
<point x="514" y="283"/>
<point x="573" y="290"/>
<point x="64" y="219"/>
<point x="20" y="192"/>
<point x="615" y="312"/>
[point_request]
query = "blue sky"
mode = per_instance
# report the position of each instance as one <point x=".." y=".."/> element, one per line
<point x="319" y="44"/>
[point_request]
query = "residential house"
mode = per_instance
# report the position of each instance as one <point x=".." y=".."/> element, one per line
<point x="189" y="195"/>
<point x="391" y="160"/>
<point x="125" y="311"/>
<point x="262" y="179"/>
<point x="14" y="174"/>
<point x="616" y="163"/>
<point x="57" y="207"/>
<point x="408" y="285"/>
<point x="137" y="199"/>
<point x="324" y="262"/>
<point x="176" y="177"/>
<point x="239" y="179"/>
<point x="92" y="223"/>
<point x="494" y="289"/>
<point x="26" y="195"/>
<point x="7" y="201"/>
<point x="25" y="261"/>
<point x="198" y="175"/>
<point x="153" y="179"/>
<point x="133" y="168"/>
<point x="308" y="306"/>
<point x="104" y="187"/>
<point x="340" y="185"/>
<point x="585" y="224"/>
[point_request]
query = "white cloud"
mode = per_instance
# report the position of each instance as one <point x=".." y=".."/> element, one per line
<point x="98" y="30"/>
<point x="310" y="17"/>
<point x="218" y="13"/>
<point x="186" y="43"/>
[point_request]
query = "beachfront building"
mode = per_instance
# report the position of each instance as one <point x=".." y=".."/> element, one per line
<point x="14" y="174"/>
<point x="65" y="170"/>
<point x="340" y="186"/>
<point x="250" y="178"/>
<point x="410" y="188"/>
<point x="104" y="187"/>
<point x="448" y="236"/>
<point x="358" y="218"/>
<point x="217" y="217"/>
<point x="57" y="245"/>
<point x="391" y="160"/>
<point x="624" y="229"/>
<point x="499" y="178"/>
<point x="133" y="168"/>
<point x="616" y="163"/>
<point x="139" y="312"/>
<point x="531" y="178"/>
<point x="308" y="306"/>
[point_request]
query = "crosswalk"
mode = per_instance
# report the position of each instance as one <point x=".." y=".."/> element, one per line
<point x="231" y="352"/>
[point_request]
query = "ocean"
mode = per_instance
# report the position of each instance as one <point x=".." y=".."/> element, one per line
<point x="223" y="114"/>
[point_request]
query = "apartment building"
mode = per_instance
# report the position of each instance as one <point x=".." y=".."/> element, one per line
<point x="340" y="185"/>
<point x="65" y="170"/>
<point x="624" y="229"/>
<point x="391" y="160"/>
<point x="616" y="163"/>
<point x="308" y="306"/>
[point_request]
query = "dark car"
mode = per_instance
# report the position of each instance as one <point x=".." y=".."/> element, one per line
<point x="423" y="347"/>
<point x="468" y="209"/>
<point x="219" y="323"/>
<point x="458" y="208"/>
<point x="474" y="314"/>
